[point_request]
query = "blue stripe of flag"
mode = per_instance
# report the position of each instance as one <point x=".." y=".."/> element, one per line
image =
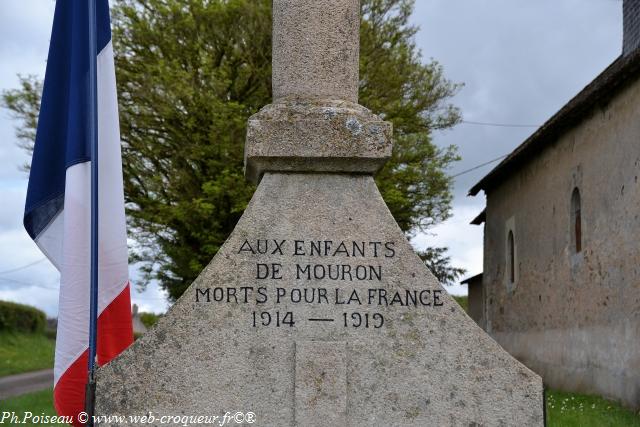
<point x="62" y="138"/>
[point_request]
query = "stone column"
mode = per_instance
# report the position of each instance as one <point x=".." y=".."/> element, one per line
<point x="315" y="123"/>
<point x="316" y="48"/>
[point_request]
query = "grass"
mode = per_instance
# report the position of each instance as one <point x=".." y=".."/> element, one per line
<point x="577" y="410"/>
<point x="38" y="403"/>
<point x="463" y="300"/>
<point x="20" y="352"/>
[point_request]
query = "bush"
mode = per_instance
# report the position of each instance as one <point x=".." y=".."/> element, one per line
<point x="50" y="333"/>
<point x="21" y="318"/>
<point x="149" y="319"/>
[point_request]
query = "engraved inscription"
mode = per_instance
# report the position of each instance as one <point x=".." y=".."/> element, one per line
<point x="354" y="267"/>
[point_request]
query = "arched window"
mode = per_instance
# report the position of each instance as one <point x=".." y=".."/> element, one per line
<point x="576" y="221"/>
<point x="511" y="260"/>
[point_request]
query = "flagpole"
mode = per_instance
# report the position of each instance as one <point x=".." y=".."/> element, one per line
<point x="93" y="135"/>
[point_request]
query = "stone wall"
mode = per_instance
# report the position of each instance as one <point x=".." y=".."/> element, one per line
<point x="476" y="300"/>
<point x="573" y="317"/>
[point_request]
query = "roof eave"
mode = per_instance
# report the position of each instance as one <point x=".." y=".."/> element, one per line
<point x="601" y="89"/>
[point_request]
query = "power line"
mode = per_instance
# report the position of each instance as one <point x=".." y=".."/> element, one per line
<point x="502" y="125"/>
<point x="479" y="166"/>
<point x="23" y="267"/>
<point x="20" y="282"/>
<point x="511" y="125"/>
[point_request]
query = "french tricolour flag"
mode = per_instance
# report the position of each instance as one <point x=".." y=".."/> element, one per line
<point x="58" y="207"/>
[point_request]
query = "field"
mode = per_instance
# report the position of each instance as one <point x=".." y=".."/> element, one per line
<point x="20" y="352"/>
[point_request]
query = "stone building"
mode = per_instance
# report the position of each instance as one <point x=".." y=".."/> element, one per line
<point x="561" y="283"/>
<point x="475" y="301"/>
<point x="138" y="327"/>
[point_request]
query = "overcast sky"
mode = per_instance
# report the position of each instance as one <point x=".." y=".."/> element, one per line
<point x="520" y="61"/>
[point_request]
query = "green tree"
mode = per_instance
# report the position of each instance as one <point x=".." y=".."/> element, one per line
<point x="439" y="263"/>
<point x="149" y="319"/>
<point x="191" y="72"/>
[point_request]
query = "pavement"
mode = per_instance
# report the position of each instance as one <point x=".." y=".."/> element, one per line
<point x="15" y="385"/>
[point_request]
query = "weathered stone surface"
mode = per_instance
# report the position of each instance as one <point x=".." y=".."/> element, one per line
<point x="321" y="383"/>
<point x="316" y="49"/>
<point x="416" y="364"/>
<point x="307" y="136"/>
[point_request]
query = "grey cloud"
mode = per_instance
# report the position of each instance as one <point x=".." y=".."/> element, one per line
<point x="520" y="62"/>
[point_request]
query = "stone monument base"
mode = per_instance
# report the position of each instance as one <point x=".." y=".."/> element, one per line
<point x="317" y="312"/>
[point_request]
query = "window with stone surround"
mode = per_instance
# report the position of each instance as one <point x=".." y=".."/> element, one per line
<point x="576" y="222"/>
<point x="511" y="265"/>
<point x="511" y="258"/>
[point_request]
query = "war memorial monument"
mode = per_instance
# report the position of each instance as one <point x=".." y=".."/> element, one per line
<point x="316" y="311"/>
